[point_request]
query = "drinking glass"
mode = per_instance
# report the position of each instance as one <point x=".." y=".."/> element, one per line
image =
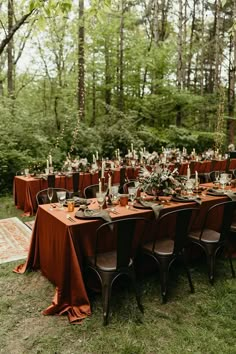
<point x="223" y="180"/>
<point x="114" y="194"/>
<point x="100" y="199"/>
<point x="217" y="176"/>
<point x="189" y="186"/>
<point x="61" y="197"/>
<point x="50" y="196"/>
<point x="132" y="194"/>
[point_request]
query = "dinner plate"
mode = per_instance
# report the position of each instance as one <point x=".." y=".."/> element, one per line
<point x="181" y="199"/>
<point x="215" y="193"/>
<point x="79" y="201"/>
<point x="140" y="206"/>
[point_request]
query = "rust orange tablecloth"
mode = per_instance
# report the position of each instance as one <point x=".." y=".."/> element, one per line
<point x="26" y="188"/>
<point x="58" y="247"/>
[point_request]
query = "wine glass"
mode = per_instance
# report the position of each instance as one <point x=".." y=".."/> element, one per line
<point x="50" y="196"/>
<point x="189" y="186"/>
<point x="217" y="176"/>
<point x="132" y="194"/>
<point x="61" y="196"/>
<point x="114" y="194"/>
<point x="100" y="199"/>
<point x="223" y="180"/>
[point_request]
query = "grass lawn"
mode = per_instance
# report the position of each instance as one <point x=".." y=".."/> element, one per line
<point x="203" y="322"/>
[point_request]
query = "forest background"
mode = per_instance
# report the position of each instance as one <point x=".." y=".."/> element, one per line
<point x="83" y="76"/>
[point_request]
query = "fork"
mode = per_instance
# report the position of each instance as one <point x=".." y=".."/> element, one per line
<point x="70" y="218"/>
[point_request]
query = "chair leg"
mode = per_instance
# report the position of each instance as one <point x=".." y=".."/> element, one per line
<point x="211" y="267"/>
<point x="164" y="272"/>
<point x="137" y="293"/>
<point x="106" y="295"/>
<point x="188" y="273"/>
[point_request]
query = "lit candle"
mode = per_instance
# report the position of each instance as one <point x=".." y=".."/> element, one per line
<point x="102" y="175"/>
<point x="94" y="158"/>
<point x="96" y="155"/>
<point x="109" y="184"/>
<point x="132" y="147"/>
<point x="47" y="163"/>
<point x="196" y="176"/>
<point x="100" y="186"/>
<point x="188" y="172"/>
<point x="144" y="149"/>
<point x="50" y="160"/>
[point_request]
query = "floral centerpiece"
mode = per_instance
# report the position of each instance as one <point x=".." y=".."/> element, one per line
<point x="76" y="164"/>
<point x="159" y="181"/>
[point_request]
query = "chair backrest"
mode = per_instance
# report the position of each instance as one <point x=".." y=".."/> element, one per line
<point x="75" y="182"/>
<point x="181" y="219"/>
<point x="227" y="209"/>
<point x="122" y="232"/>
<point x="122" y="178"/>
<point x="42" y="197"/>
<point x="90" y="191"/>
<point x="131" y="183"/>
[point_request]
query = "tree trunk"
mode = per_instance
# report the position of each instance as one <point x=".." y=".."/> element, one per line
<point x="121" y="60"/>
<point x="180" y="61"/>
<point x="10" y="59"/>
<point x="217" y="44"/>
<point x="191" y="45"/>
<point x="81" y="88"/>
<point x="107" y="77"/>
<point x="202" y="48"/>
<point x="232" y="81"/>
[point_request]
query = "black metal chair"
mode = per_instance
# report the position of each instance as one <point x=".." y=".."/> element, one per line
<point x="172" y="244"/>
<point x="130" y="183"/>
<point x="42" y="197"/>
<point x="90" y="191"/>
<point x="210" y="240"/>
<point x="110" y="265"/>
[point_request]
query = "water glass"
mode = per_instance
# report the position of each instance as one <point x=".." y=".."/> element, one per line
<point x="132" y="194"/>
<point x="61" y="197"/>
<point x="114" y="194"/>
<point x="50" y="196"/>
<point x="100" y="199"/>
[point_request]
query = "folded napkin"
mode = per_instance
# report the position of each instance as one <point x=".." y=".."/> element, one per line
<point x="85" y="213"/>
<point x="155" y="207"/>
<point x="180" y="198"/>
<point x="215" y="192"/>
<point x="231" y="195"/>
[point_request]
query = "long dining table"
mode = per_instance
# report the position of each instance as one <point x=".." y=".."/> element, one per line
<point x="25" y="188"/>
<point x="59" y="247"/>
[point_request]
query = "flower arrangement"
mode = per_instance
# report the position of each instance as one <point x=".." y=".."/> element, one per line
<point x="158" y="181"/>
<point x="76" y="164"/>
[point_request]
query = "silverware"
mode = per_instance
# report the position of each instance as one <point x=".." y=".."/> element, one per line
<point x="70" y="218"/>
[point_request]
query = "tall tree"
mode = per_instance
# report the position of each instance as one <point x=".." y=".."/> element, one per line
<point x="232" y="80"/>
<point x="10" y="53"/>
<point x="81" y="63"/>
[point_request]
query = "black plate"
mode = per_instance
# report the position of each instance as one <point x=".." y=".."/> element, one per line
<point x="79" y="201"/>
<point x="181" y="199"/>
<point x="140" y="206"/>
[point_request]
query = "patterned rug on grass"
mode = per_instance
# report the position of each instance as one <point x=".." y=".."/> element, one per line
<point x="14" y="240"/>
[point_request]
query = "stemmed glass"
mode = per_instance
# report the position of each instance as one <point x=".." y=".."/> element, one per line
<point x="132" y="194"/>
<point x="217" y="176"/>
<point x="114" y="194"/>
<point x="189" y="186"/>
<point x="223" y="180"/>
<point x="100" y="199"/>
<point x="50" y="196"/>
<point x="61" y="196"/>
